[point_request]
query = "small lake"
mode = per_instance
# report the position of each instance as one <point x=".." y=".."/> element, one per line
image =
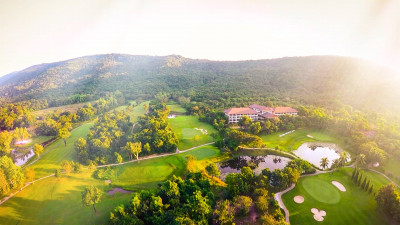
<point x="314" y="152"/>
<point x="256" y="163"/>
<point x="21" y="160"/>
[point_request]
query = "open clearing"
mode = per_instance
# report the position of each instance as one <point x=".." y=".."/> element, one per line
<point x="175" y="107"/>
<point x="54" y="201"/>
<point x="148" y="173"/>
<point x="55" y="153"/>
<point x="184" y="127"/>
<point x="353" y="206"/>
<point x="137" y="111"/>
<point x="62" y="197"/>
<point x="293" y="140"/>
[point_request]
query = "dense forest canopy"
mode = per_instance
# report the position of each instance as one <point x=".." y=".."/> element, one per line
<point x="322" y="80"/>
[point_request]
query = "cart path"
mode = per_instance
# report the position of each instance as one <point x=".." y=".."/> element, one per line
<point x="113" y="164"/>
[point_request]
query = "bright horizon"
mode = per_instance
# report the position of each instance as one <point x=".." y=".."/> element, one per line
<point x="50" y="31"/>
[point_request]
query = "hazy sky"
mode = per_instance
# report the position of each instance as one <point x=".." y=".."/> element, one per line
<point x="34" y="32"/>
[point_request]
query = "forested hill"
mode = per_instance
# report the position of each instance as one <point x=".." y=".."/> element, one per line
<point x="314" y="79"/>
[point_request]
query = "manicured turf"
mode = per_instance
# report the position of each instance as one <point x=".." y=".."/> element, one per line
<point x="354" y="206"/>
<point x="393" y="166"/>
<point x="54" y="201"/>
<point x="184" y="128"/>
<point x="137" y="111"/>
<point x="57" y="152"/>
<point x="321" y="190"/>
<point x="293" y="140"/>
<point x="175" y="107"/>
<point x="36" y="140"/>
<point x="148" y="173"/>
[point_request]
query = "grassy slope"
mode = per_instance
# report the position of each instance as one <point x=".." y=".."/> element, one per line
<point x="137" y="111"/>
<point x="355" y="206"/>
<point x="184" y="128"/>
<point x="293" y="140"/>
<point x="57" y="152"/>
<point x="146" y="174"/>
<point x="175" y="107"/>
<point x="54" y="201"/>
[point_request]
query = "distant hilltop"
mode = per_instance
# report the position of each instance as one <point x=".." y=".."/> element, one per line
<point x="323" y="80"/>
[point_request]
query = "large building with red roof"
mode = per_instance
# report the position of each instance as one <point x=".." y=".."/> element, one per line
<point x="258" y="112"/>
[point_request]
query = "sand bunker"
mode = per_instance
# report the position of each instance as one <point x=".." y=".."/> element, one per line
<point x="298" y="199"/>
<point x="201" y="130"/>
<point x="309" y="136"/>
<point x="120" y="190"/>
<point x="318" y="214"/>
<point x="339" y="186"/>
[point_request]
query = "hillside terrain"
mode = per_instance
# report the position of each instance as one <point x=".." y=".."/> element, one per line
<point x="322" y="80"/>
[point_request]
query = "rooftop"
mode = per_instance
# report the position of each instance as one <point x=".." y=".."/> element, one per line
<point x="244" y="110"/>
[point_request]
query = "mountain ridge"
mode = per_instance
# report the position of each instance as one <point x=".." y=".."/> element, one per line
<point x="312" y="79"/>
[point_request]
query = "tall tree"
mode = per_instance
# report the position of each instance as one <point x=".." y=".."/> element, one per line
<point x="324" y="162"/>
<point x="360" y="161"/>
<point x="133" y="148"/>
<point x="245" y="122"/>
<point x="90" y="196"/>
<point x="196" y="138"/>
<point x="63" y="133"/>
<point x="5" y="142"/>
<point x="225" y="212"/>
<point x="4" y="185"/>
<point x="213" y="170"/>
<point x="30" y="174"/>
<point x="38" y="149"/>
<point x="67" y="166"/>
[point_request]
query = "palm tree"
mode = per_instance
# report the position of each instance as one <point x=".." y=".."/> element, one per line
<point x="360" y="161"/>
<point x="324" y="162"/>
<point x="343" y="158"/>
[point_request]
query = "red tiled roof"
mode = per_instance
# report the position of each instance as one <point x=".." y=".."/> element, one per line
<point x="284" y="110"/>
<point x="255" y="106"/>
<point x="233" y="111"/>
<point x="268" y="115"/>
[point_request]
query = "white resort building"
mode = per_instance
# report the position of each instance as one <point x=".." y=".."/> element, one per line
<point x="258" y="112"/>
<point x="234" y="114"/>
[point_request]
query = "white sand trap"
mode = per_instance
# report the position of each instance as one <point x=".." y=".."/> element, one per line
<point x="309" y="136"/>
<point x="318" y="215"/>
<point x="201" y="130"/>
<point x="298" y="199"/>
<point x="339" y="186"/>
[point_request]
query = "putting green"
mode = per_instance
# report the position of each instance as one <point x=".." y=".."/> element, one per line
<point x="190" y="132"/>
<point x="321" y="191"/>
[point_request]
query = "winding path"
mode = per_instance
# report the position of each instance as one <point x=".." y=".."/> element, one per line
<point x="278" y="195"/>
<point x="113" y="164"/>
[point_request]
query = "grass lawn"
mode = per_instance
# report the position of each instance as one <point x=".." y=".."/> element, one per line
<point x="393" y="166"/>
<point x="137" y="111"/>
<point x="57" y="152"/>
<point x="148" y="173"/>
<point x="293" y="140"/>
<point x="184" y="128"/>
<point x="175" y="107"/>
<point x="36" y="140"/>
<point x="351" y="207"/>
<point x="54" y="201"/>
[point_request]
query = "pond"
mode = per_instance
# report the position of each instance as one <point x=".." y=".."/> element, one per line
<point x="256" y="163"/>
<point x="22" y="159"/>
<point x="314" y="152"/>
